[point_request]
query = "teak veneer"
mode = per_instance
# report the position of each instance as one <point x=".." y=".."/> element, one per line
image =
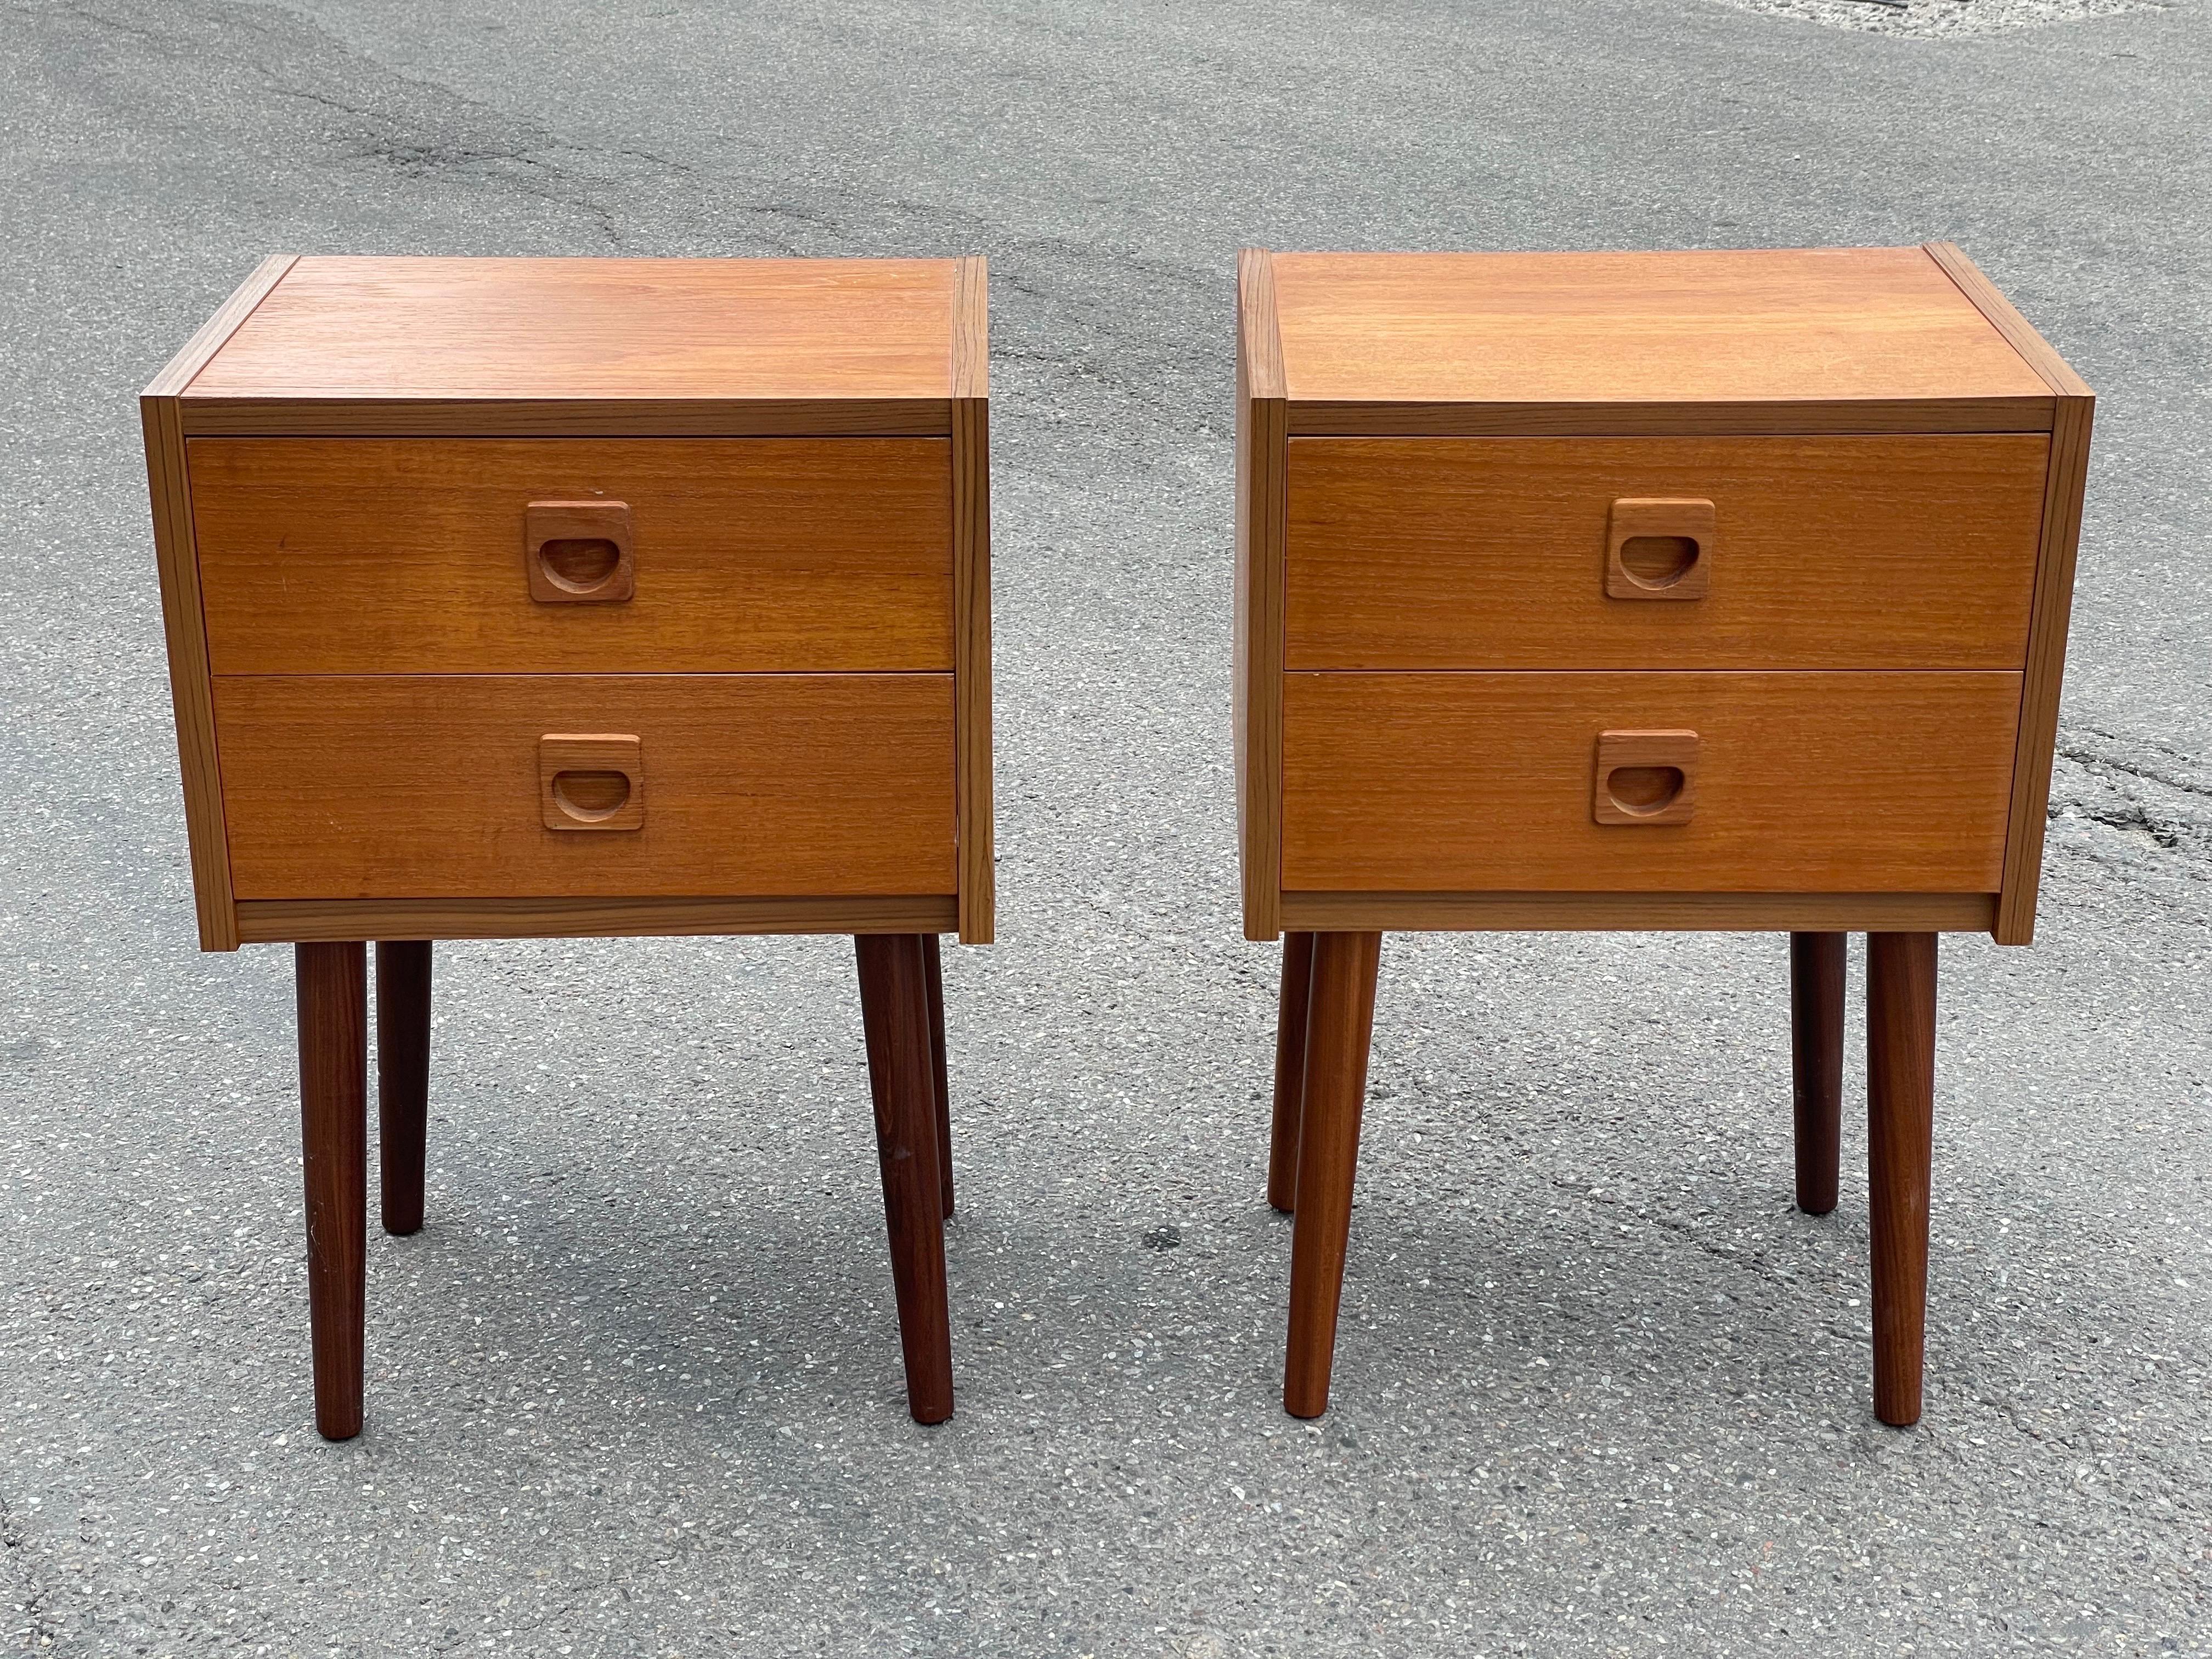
<point x="1701" y="589"/>
<point x="529" y="597"/>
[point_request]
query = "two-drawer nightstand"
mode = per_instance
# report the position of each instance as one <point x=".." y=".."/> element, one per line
<point x="530" y="598"/>
<point x="1645" y="591"/>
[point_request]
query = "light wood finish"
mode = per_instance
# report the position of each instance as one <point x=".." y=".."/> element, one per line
<point x="553" y="532"/>
<point x="591" y="780"/>
<point x="332" y="991"/>
<point x="1686" y="912"/>
<point x="971" y="601"/>
<point x="1263" y="463"/>
<point x="1321" y="420"/>
<point x="895" y="1013"/>
<point x="1480" y="783"/>
<point x="1645" y="779"/>
<point x="182" y="616"/>
<point x="1339" y="1026"/>
<point x="273" y="921"/>
<point x="407" y="786"/>
<point x="832" y="345"/>
<point x="402" y="1079"/>
<point x="1840" y="552"/>
<point x="1684" y="528"/>
<point x="2067" y="480"/>
<point x="1292" y="1004"/>
<point x="573" y="417"/>
<point x="379" y="556"/>
<point x="1900" y="1133"/>
<point x="1816" y="1064"/>
<point x="1799" y="335"/>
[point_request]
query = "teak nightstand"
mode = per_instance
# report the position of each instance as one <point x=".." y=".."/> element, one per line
<point x="1650" y="591"/>
<point x="530" y="598"/>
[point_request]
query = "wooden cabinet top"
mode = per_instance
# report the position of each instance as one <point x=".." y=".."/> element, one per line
<point x="517" y="346"/>
<point x="1823" y="339"/>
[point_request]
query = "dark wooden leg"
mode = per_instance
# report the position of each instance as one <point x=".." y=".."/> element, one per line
<point x="333" y="1001"/>
<point x="895" y="1011"/>
<point x="933" y="961"/>
<point x="1816" y="1052"/>
<point x="1900" y="1133"/>
<point x="403" y="1076"/>
<point x="1289" y="1070"/>
<point x="1340" y="1021"/>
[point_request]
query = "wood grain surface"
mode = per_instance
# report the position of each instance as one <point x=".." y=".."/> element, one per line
<point x="426" y="786"/>
<point x="406" y="555"/>
<point x="268" y="921"/>
<point x="182" y="617"/>
<point x="1821" y="782"/>
<point x="1262" y="452"/>
<point x="1837" y="552"/>
<point x="2074" y="411"/>
<point x="971" y="600"/>
<point x="1811" y="326"/>
<point x="871" y="335"/>
<point x="1684" y="913"/>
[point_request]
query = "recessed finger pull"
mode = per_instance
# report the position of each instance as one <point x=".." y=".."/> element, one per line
<point x="591" y="780"/>
<point x="1660" y="548"/>
<point x="1644" y="778"/>
<point x="579" y="552"/>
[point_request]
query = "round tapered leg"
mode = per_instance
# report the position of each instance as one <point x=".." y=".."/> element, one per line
<point x="1900" y="1137"/>
<point x="895" y="1012"/>
<point x="1340" y="1025"/>
<point x="403" y="1077"/>
<point x="1289" y="1070"/>
<point x="1816" y="1052"/>
<point x="333" y="982"/>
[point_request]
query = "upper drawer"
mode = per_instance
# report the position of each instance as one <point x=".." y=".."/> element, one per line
<point x="1836" y="552"/>
<point x="376" y="556"/>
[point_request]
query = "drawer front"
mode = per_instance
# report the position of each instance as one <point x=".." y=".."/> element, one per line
<point x="372" y="555"/>
<point x="432" y="787"/>
<point x="1837" y="552"/>
<point x="1806" y="783"/>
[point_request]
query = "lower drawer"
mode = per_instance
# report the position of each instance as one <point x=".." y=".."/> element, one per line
<point x="1797" y="782"/>
<point x="440" y="786"/>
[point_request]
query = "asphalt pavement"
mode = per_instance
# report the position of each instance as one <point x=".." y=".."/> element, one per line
<point x="635" y="1388"/>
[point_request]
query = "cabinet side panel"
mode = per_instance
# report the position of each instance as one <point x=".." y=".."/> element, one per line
<point x="2047" y="670"/>
<point x="183" y="618"/>
<point x="184" y="623"/>
<point x="1262" y="457"/>
<point x="971" y="604"/>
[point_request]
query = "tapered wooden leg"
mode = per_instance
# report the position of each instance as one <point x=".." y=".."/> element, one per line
<point x="1816" y="1052"/>
<point x="403" y="1077"/>
<point x="1900" y="1133"/>
<point x="933" y="961"/>
<point x="333" y="1002"/>
<point x="1289" y="1070"/>
<point x="1340" y="1024"/>
<point x="895" y="1011"/>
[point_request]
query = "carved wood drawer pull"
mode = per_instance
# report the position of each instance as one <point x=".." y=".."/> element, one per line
<point x="591" y="780"/>
<point x="579" y="552"/>
<point x="1644" y="778"/>
<point x="1659" y="549"/>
